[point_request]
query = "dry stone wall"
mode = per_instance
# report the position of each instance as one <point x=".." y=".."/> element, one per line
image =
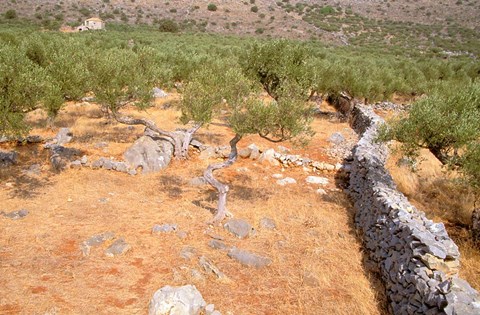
<point x="415" y="257"/>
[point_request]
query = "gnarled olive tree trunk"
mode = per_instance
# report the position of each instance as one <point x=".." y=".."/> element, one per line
<point x="221" y="187"/>
<point x="179" y="140"/>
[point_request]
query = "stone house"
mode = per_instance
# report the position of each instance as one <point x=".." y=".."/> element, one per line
<point x="92" y="24"/>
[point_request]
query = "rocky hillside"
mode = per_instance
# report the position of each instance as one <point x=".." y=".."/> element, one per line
<point x="342" y="21"/>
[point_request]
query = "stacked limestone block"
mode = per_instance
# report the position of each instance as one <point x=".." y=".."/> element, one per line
<point x="415" y="257"/>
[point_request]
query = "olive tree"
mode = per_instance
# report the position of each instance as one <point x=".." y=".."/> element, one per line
<point x="22" y="86"/>
<point x="446" y="123"/>
<point x="230" y="93"/>
<point x="275" y="64"/>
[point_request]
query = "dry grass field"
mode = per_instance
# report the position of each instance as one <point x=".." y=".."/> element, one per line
<point x="317" y="259"/>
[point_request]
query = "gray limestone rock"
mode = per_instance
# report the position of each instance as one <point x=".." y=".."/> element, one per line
<point x="336" y="138"/>
<point x="63" y="136"/>
<point x="249" y="259"/>
<point x="317" y="180"/>
<point x="150" y="155"/>
<point x="209" y="267"/>
<point x="197" y="181"/>
<point x="238" y="227"/>
<point x="185" y="300"/>
<point x="244" y="153"/>
<point x="188" y="252"/>
<point x="158" y="93"/>
<point x="286" y="181"/>
<point x="268" y="223"/>
<point x="218" y="245"/>
<point x="95" y="241"/>
<point x="164" y="228"/>
<point x="119" y="247"/>
<point x="8" y="158"/>
<point x="15" y="215"/>
<point x="254" y="152"/>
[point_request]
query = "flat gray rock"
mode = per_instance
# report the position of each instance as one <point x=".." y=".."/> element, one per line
<point x="336" y="138"/>
<point x="119" y="247"/>
<point x="95" y="240"/>
<point x="286" y="181"/>
<point x="164" y="228"/>
<point x="149" y="154"/>
<point x="217" y="245"/>
<point x="197" y="181"/>
<point x="268" y="223"/>
<point x="8" y="158"/>
<point x="185" y="300"/>
<point x="249" y="259"/>
<point x="317" y="180"/>
<point x="63" y="136"/>
<point x="238" y="227"/>
<point x="158" y="93"/>
<point x="15" y="215"/>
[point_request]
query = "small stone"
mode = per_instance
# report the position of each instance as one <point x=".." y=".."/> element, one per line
<point x="63" y="136"/>
<point x="69" y="199"/>
<point x="286" y="181"/>
<point x="76" y="164"/>
<point x="158" y="93"/>
<point x="268" y="223"/>
<point x="103" y="200"/>
<point x="182" y="235"/>
<point x="277" y="176"/>
<point x="185" y="300"/>
<point x="209" y="309"/>
<point x="321" y="191"/>
<point x="244" y="153"/>
<point x="217" y="244"/>
<point x="95" y="241"/>
<point x="119" y="247"/>
<point x="255" y="152"/>
<point x="164" y="228"/>
<point x="249" y="259"/>
<point x="317" y="180"/>
<point x="15" y="215"/>
<point x="268" y="157"/>
<point x="207" y="153"/>
<point x="198" y="181"/>
<point x="84" y="160"/>
<point x="210" y="267"/>
<point x="336" y="138"/>
<point x="238" y="227"/>
<point x="188" y="252"/>
<point x="309" y="279"/>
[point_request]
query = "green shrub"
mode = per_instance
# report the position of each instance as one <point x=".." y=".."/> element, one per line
<point x="168" y="25"/>
<point x="10" y="14"/>
<point x="212" y="7"/>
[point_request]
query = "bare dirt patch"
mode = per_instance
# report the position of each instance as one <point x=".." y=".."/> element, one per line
<point x="317" y="261"/>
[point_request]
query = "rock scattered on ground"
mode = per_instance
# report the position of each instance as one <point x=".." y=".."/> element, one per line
<point x="188" y="252"/>
<point x="95" y="240"/>
<point x="158" y="93"/>
<point x="277" y="176"/>
<point x="119" y="247"/>
<point x="185" y="300"/>
<point x="8" y="158"/>
<point x="164" y="228"/>
<point x="268" y="157"/>
<point x="63" y="136"/>
<point x="267" y="223"/>
<point x="216" y="244"/>
<point x="317" y="180"/>
<point x="249" y="259"/>
<point x="198" y="181"/>
<point x="309" y="279"/>
<point x="286" y="181"/>
<point x="15" y="215"/>
<point x="336" y="138"/>
<point x="238" y="227"/>
<point x="209" y="267"/>
<point x="149" y="154"/>
<point x="321" y="191"/>
<point x="254" y="152"/>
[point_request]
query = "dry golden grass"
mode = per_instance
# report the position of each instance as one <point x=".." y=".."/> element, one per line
<point x="437" y="193"/>
<point x="42" y="268"/>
